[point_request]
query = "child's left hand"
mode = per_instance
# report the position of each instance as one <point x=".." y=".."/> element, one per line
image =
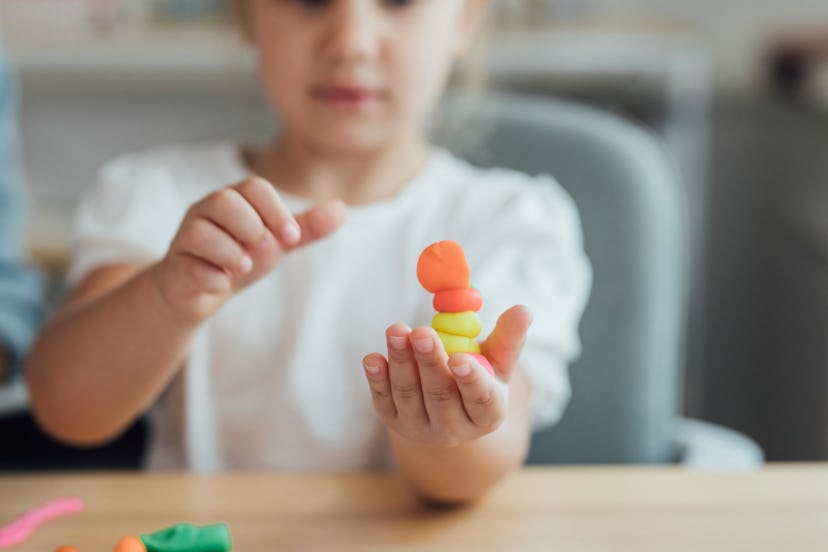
<point x="427" y="397"/>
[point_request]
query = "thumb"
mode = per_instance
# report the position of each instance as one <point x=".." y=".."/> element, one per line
<point x="320" y="221"/>
<point x="504" y="344"/>
<point x="314" y="224"/>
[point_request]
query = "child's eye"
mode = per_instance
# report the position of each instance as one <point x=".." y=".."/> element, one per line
<point x="399" y="3"/>
<point x="312" y="3"/>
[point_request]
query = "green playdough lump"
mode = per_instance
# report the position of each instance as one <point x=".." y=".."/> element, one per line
<point x="185" y="537"/>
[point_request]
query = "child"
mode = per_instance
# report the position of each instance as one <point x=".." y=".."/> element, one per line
<point x="242" y="325"/>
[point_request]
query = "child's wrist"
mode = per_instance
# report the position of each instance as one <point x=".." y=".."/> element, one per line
<point x="185" y="314"/>
<point x="403" y="442"/>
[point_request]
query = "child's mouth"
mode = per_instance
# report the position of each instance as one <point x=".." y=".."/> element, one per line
<point x="348" y="98"/>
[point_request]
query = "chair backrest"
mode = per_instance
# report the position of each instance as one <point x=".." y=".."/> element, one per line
<point x="626" y="383"/>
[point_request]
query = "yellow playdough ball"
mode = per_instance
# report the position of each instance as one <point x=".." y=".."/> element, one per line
<point x="465" y="323"/>
<point x="458" y="343"/>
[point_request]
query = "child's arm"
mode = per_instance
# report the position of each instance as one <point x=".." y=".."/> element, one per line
<point x="454" y="432"/>
<point x="122" y="335"/>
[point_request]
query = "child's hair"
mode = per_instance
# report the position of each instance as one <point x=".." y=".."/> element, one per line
<point x="457" y="122"/>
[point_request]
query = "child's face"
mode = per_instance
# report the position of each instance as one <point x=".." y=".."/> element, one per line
<point x="351" y="75"/>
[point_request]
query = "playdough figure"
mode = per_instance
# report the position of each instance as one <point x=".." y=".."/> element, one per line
<point x="443" y="270"/>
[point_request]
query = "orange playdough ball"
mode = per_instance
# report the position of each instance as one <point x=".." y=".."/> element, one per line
<point x="130" y="544"/>
<point x="66" y="549"/>
<point x="442" y="265"/>
<point x="457" y="300"/>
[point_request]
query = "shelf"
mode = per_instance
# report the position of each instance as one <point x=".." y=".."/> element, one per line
<point x="180" y="52"/>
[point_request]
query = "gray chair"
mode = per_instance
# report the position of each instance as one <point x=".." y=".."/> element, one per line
<point x="626" y="385"/>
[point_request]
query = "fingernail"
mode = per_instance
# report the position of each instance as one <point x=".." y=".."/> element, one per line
<point x="397" y="342"/>
<point x="372" y="368"/>
<point x="423" y="345"/>
<point x="290" y="232"/>
<point x="245" y="265"/>
<point x="461" y="370"/>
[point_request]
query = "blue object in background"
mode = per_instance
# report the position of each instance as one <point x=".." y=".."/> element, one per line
<point x="21" y="287"/>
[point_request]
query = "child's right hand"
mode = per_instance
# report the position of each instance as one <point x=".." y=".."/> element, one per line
<point x="230" y="239"/>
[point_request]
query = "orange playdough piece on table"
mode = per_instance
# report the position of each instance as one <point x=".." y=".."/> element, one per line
<point x="130" y="544"/>
<point x="442" y="265"/>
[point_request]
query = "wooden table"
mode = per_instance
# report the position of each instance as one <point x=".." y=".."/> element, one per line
<point x="569" y="509"/>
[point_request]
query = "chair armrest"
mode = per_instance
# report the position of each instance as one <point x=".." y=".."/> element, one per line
<point x="706" y="446"/>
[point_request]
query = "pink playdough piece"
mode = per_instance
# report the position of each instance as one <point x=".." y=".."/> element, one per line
<point x="484" y="362"/>
<point x="20" y="529"/>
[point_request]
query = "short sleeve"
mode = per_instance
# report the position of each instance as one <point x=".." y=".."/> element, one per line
<point x="528" y="249"/>
<point x="130" y="217"/>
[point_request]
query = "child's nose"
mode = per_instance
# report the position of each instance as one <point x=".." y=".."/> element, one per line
<point x="353" y="33"/>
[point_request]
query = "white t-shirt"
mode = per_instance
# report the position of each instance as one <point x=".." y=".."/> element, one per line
<point x="274" y="379"/>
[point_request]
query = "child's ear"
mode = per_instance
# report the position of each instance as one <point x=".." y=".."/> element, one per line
<point x="471" y="19"/>
<point x="242" y="11"/>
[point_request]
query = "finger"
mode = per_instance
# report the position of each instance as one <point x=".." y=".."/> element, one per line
<point x="404" y="378"/>
<point x="504" y="344"/>
<point x="321" y="221"/>
<point x="229" y="210"/>
<point x="262" y="196"/>
<point x="483" y="399"/>
<point x="204" y="240"/>
<point x="440" y="394"/>
<point x="376" y="371"/>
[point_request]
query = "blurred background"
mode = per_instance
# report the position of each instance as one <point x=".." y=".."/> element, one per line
<point x="736" y="90"/>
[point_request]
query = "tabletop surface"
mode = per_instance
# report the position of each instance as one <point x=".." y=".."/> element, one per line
<point x="782" y="507"/>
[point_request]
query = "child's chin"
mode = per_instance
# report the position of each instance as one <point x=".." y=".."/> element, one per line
<point x="352" y="139"/>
